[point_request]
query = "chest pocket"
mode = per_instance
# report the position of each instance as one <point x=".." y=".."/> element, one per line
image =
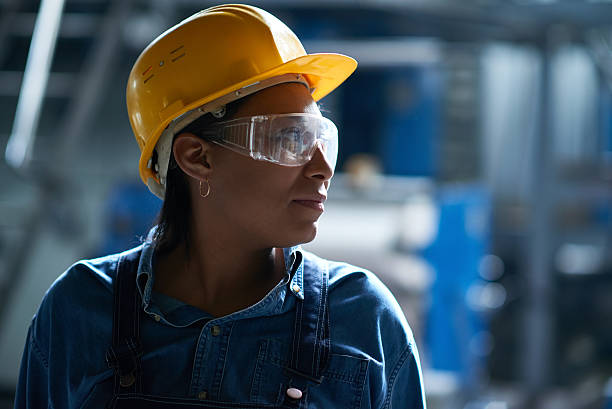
<point x="342" y="385"/>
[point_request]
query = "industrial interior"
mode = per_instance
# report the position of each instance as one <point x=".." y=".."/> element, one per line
<point x="474" y="175"/>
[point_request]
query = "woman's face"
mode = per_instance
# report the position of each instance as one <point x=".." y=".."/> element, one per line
<point x="267" y="204"/>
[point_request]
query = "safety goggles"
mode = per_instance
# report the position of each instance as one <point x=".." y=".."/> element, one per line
<point x="284" y="139"/>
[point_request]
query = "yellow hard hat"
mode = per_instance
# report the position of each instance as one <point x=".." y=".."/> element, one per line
<point x="219" y="54"/>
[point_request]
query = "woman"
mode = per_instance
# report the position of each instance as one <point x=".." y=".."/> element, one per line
<point x="220" y="308"/>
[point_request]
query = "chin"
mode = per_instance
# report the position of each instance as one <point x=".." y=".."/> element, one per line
<point x="311" y="236"/>
<point x="302" y="236"/>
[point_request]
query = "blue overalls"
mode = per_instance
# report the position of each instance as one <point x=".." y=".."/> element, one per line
<point x="310" y="345"/>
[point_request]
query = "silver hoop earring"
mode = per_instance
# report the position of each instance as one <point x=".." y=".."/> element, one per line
<point x="205" y="195"/>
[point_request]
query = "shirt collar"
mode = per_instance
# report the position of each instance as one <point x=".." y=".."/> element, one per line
<point x="144" y="276"/>
<point x="294" y="272"/>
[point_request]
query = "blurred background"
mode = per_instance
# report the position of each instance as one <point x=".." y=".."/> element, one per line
<point x="474" y="176"/>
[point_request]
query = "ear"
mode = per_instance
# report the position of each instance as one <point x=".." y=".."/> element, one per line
<point x="193" y="155"/>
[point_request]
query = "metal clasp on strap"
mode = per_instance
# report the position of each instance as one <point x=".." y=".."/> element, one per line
<point x="127" y="380"/>
<point x="124" y="360"/>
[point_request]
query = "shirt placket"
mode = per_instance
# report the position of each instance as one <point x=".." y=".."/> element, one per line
<point x="209" y="361"/>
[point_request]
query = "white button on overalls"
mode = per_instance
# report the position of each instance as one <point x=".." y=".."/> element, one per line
<point x="294" y="393"/>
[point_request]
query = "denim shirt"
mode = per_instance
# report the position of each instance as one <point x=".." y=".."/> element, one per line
<point x="239" y="357"/>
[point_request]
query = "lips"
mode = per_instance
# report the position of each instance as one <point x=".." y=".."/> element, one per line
<point x="313" y="202"/>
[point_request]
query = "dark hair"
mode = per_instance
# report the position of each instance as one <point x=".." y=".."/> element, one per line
<point x="173" y="221"/>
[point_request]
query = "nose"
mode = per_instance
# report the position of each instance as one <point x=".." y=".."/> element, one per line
<point x="318" y="167"/>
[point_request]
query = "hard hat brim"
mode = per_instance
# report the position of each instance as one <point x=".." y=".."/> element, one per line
<point x="323" y="71"/>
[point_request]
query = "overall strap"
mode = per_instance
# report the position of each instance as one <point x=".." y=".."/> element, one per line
<point x="126" y="350"/>
<point x="311" y="343"/>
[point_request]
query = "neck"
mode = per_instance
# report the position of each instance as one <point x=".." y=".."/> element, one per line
<point x="217" y="276"/>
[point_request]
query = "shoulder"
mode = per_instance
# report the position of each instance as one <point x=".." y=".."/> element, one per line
<point x="366" y="321"/>
<point x="74" y="317"/>
<point x="359" y="299"/>
<point x="84" y="279"/>
<point x="80" y="297"/>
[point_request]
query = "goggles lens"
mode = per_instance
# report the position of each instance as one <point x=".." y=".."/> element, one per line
<point x="284" y="139"/>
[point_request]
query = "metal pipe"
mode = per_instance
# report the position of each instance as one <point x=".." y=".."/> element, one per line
<point x="538" y="319"/>
<point x="21" y="141"/>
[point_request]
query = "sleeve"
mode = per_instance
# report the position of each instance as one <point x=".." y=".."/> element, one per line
<point x="405" y="383"/>
<point x="33" y="377"/>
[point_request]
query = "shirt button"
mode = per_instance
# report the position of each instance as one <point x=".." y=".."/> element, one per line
<point x="202" y="395"/>
<point x="295" y="288"/>
<point x="157" y="317"/>
<point x="215" y="330"/>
